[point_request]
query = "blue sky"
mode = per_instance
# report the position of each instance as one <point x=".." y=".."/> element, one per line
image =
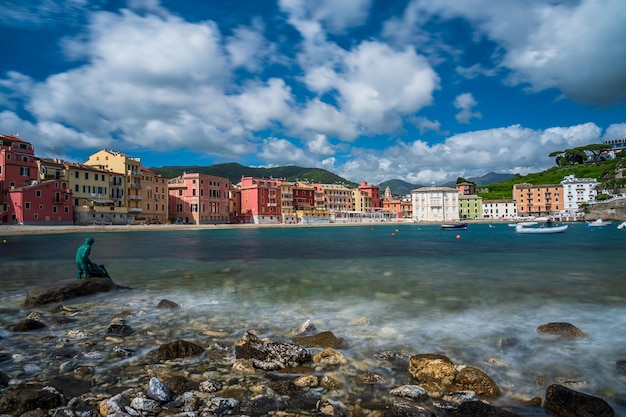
<point x="420" y="90"/>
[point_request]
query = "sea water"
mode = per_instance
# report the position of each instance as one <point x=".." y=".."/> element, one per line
<point x="406" y="287"/>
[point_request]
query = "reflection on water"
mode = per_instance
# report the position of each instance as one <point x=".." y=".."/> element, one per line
<point x="418" y="289"/>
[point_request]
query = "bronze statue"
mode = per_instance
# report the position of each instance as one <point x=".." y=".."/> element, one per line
<point x="86" y="268"/>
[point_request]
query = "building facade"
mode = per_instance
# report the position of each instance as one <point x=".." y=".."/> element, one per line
<point x="499" y="209"/>
<point x="24" y="197"/>
<point x="438" y="204"/>
<point x="373" y="192"/>
<point x="470" y="207"/>
<point x="538" y="200"/>
<point x="199" y="198"/>
<point x="154" y="197"/>
<point x="260" y="199"/>
<point x="578" y="191"/>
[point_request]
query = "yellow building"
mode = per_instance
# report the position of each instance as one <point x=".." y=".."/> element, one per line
<point x="130" y="168"/>
<point x="96" y="193"/>
<point x="335" y="197"/>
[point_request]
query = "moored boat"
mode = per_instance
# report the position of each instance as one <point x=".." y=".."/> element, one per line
<point x="454" y="226"/>
<point x="599" y="223"/>
<point x="541" y="229"/>
<point x="622" y="225"/>
<point x="523" y="224"/>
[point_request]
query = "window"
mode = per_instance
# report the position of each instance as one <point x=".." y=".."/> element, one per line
<point x="24" y="159"/>
<point x="66" y="209"/>
<point x="24" y="171"/>
<point x="86" y="175"/>
<point x="27" y="205"/>
<point x="38" y="193"/>
<point x="54" y="209"/>
<point x="76" y="188"/>
<point x="76" y="174"/>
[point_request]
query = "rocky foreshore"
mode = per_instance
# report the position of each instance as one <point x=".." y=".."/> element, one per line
<point x="303" y="372"/>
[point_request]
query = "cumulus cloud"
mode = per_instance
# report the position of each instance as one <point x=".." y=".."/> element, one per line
<point x="543" y="44"/>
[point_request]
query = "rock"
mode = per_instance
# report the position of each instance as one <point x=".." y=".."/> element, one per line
<point x="330" y="356"/>
<point x="414" y="392"/>
<point x="178" y="349"/>
<point x="244" y="366"/>
<point x="621" y="367"/>
<point x="405" y="408"/>
<point x="371" y="378"/>
<point x="270" y="355"/>
<point x="435" y="373"/>
<point x="473" y="379"/>
<point x="560" y="329"/>
<point x="322" y="340"/>
<point x="28" y="325"/>
<point x="158" y="391"/>
<point x="565" y="402"/>
<point x="303" y="327"/>
<point x="306" y="381"/>
<point x="4" y="380"/>
<point x="167" y="305"/>
<point x="113" y="405"/>
<point x="69" y="289"/>
<point x="480" y="409"/>
<point x="21" y="400"/>
<point x="261" y="406"/>
<point x="145" y="405"/>
<point x="330" y="408"/>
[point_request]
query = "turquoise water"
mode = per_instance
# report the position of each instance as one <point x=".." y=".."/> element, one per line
<point x="414" y="288"/>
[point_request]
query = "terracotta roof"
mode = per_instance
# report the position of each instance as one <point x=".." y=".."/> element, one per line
<point x="13" y="138"/>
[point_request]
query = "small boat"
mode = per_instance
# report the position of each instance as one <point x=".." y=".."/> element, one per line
<point x="622" y="225"/>
<point x="454" y="226"/>
<point x="523" y="224"/>
<point x="541" y="229"/>
<point x="599" y="222"/>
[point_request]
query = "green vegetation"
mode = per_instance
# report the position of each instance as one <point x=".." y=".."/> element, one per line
<point x="234" y="172"/>
<point x="606" y="172"/>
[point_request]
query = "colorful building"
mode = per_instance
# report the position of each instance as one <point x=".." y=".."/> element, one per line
<point x="373" y="192"/>
<point x="391" y="204"/>
<point x="199" y="198"/>
<point x="24" y="198"/>
<point x="576" y="192"/>
<point x="538" y="200"/>
<point x="154" y="197"/>
<point x="439" y="204"/>
<point x="499" y="209"/>
<point x="470" y="206"/>
<point x="260" y="199"/>
<point x="130" y="168"/>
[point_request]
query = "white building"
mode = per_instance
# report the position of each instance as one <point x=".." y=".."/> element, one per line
<point x="499" y="209"/>
<point x="577" y="191"/>
<point x="438" y="204"/>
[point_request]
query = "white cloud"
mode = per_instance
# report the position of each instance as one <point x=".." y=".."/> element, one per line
<point x="465" y="102"/>
<point x="545" y="44"/>
<point x="277" y="151"/>
<point x="334" y="16"/>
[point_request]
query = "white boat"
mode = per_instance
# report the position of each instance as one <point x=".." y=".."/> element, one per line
<point x="541" y="229"/>
<point x="523" y="224"/>
<point x="599" y="222"/>
<point x="622" y="225"/>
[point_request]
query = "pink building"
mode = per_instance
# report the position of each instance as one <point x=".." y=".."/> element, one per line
<point x="373" y="191"/>
<point x="23" y="198"/>
<point x="260" y="200"/>
<point x="199" y="198"/>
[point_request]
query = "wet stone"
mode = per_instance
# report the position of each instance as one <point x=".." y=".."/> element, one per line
<point x="560" y="329"/>
<point x="322" y="340"/>
<point x="158" y="391"/>
<point x="28" y="325"/>
<point x="178" y="349"/>
<point x="167" y="305"/>
<point x="566" y="402"/>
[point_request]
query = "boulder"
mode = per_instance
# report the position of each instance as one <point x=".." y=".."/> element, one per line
<point x="69" y="289"/>
<point x="565" y="402"/>
<point x="28" y="325"/>
<point x="19" y="401"/>
<point x="435" y="373"/>
<point x="473" y="379"/>
<point x="560" y="329"/>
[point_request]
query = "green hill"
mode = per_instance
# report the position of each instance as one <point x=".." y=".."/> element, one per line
<point x="234" y="172"/>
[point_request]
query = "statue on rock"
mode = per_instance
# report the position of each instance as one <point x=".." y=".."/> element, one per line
<point x="86" y="268"/>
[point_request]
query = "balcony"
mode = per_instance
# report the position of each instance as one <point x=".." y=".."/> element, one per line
<point x="135" y="197"/>
<point x="135" y="210"/>
<point x="135" y="185"/>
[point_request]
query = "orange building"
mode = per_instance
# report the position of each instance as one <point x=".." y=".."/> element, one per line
<point x="199" y="198"/>
<point x="392" y="205"/>
<point x="538" y="200"/>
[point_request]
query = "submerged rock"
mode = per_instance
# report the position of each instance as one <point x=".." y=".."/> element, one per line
<point x="560" y="329"/>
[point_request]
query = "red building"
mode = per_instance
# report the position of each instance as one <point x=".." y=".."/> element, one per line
<point x="260" y="200"/>
<point x="23" y="198"/>
<point x="373" y="191"/>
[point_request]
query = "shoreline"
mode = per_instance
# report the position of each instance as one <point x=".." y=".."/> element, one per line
<point x="28" y="230"/>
